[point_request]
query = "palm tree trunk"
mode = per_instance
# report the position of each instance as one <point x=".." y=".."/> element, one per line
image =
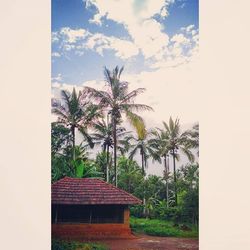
<point x="107" y="167"/>
<point x="142" y="163"/>
<point x="175" y="182"/>
<point x="104" y="148"/>
<point x="115" y="142"/>
<point x="166" y="173"/>
<point x="73" y="142"/>
<point x="143" y="173"/>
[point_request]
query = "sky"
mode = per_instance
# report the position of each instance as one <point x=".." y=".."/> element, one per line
<point x="157" y="42"/>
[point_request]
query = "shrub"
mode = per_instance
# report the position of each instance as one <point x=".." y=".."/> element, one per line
<point x="73" y="245"/>
<point x="161" y="231"/>
<point x="136" y="211"/>
<point x="162" y="228"/>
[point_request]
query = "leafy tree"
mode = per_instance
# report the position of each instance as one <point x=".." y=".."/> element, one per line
<point x="189" y="187"/>
<point x="86" y="169"/>
<point x="60" y="168"/>
<point x="103" y="162"/>
<point x="118" y="100"/>
<point x="60" y="137"/>
<point x="130" y="174"/>
<point x="63" y="165"/>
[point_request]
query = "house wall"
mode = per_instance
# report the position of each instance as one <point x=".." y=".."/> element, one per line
<point x="90" y="231"/>
<point x="126" y="216"/>
<point x="78" y="231"/>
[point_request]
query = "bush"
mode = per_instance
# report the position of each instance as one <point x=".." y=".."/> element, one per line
<point x="162" y="228"/>
<point x="136" y="211"/>
<point x="161" y="231"/>
<point x="73" y="245"/>
<point x="174" y="214"/>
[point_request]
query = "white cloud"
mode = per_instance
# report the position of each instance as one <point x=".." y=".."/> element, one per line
<point x="96" y="19"/>
<point x="123" y="48"/>
<point x="164" y="12"/>
<point x="81" y="39"/>
<point x="54" y="37"/>
<point x="55" y="54"/>
<point x="74" y="34"/>
<point x="57" y="78"/>
<point x="189" y="29"/>
<point x="180" y="39"/>
<point x="137" y="18"/>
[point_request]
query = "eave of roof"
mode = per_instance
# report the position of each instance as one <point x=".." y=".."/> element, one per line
<point x="89" y="191"/>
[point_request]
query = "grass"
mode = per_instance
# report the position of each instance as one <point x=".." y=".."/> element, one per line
<point x="162" y="228"/>
<point x="74" y="245"/>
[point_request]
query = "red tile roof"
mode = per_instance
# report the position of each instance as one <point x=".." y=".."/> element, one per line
<point x="88" y="191"/>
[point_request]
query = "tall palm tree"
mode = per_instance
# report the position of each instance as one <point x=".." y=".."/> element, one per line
<point x="177" y="141"/>
<point x="160" y="142"/>
<point x="103" y="136"/>
<point x="76" y="113"/>
<point x="141" y="144"/>
<point x="118" y="100"/>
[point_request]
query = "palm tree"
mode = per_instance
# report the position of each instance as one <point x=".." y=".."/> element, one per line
<point x="76" y="113"/>
<point x="141" y="144"/>
<point x="193" y="136"/>
<point x="118" y="100"/>
<point x="103" y="136"/>
<point x="177" y="141"/>
<point x="160" y="142"/>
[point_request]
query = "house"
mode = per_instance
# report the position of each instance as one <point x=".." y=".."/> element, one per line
<point x="90" y="208"/>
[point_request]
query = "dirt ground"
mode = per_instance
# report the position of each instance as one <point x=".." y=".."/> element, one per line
<point x="145" y="242"/>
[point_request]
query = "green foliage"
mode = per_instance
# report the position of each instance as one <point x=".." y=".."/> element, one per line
<point x="130" y="175"/>
<point x="136" y="210"/>
<point x="74" y="245"/>
<point x="60" y="168"/>
<point x="60" y="137"/>
<point x="81" y="167"/>
<point x="188" y="182"/>
<point x="162" y="228"/>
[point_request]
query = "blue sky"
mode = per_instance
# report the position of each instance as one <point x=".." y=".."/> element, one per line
<point x="156" y="40"/>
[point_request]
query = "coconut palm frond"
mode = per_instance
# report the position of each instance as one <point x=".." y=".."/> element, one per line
<point x="130" y="96"/>
<point x="102" y="96"/>
<point x="86" y="136"/>
<point x="135" y="107"/>
<point x="188" y="153"/>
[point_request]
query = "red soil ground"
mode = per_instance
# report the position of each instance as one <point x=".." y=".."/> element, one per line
<point x="145" y="242"/>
